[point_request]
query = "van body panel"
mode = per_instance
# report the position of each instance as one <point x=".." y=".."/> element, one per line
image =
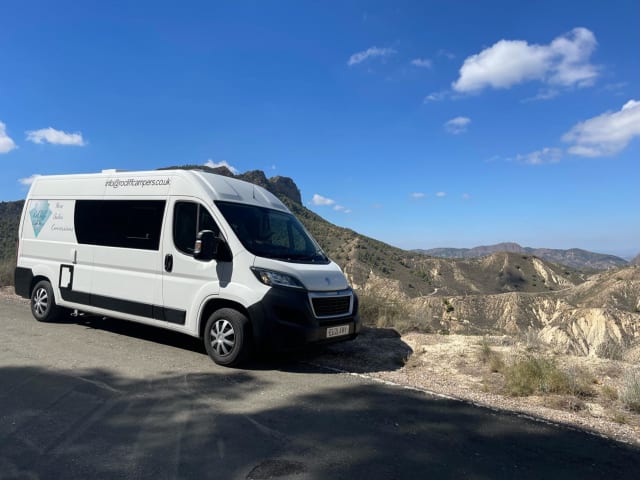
<point x="122" y="244"/>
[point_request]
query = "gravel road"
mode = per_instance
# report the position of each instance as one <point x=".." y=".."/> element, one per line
<point x="101" y="398"/>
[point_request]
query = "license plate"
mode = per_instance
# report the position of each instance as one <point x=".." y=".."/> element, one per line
<point x="337" y="331"/>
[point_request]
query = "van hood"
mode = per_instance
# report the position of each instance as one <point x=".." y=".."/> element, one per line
<point x="318" y="278"/>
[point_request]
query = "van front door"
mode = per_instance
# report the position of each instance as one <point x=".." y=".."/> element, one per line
<point x="186" y="281"/>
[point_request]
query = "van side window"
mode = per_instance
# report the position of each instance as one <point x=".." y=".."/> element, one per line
<point x="189" y="218"/>
<point x="119" y="223"/>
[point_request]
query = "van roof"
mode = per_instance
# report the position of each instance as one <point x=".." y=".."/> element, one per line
<point x="111" y="184"/>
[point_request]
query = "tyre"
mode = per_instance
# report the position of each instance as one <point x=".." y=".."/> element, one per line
<point x="227" y="337"/>
<point x="43" y="303"/>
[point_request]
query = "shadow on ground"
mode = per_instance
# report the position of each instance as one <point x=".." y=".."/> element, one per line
<point x="97" y="424"/>
<point x="374" y="350"/>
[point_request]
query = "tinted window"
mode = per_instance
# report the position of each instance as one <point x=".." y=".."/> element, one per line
<point x="188" y="219"/>
<point x="120" y="223"/>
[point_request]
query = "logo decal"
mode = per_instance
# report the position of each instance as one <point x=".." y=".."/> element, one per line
<point x="39" y="214"/>
<point x="328" y="280"/>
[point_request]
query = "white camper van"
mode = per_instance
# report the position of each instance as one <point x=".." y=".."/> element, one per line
<point x="203" y="254"/>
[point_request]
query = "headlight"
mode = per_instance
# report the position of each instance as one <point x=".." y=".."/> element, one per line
<point x="277" y="279"/>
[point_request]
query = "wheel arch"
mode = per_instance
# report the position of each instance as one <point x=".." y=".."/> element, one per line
<point x="35" y="280"/>
<point x="216" y="304"/>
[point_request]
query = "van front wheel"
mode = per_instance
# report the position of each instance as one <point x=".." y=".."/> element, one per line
<point x="43" y="304"/>
<point x="227" y="338"/>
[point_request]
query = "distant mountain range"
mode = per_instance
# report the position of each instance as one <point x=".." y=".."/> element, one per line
<point x="574" y="257"/>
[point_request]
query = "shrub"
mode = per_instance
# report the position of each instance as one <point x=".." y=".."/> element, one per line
<point x="535" y="374"/>
<point x="447" y="306"/>
<point x="630" y="390"/>
<point x="379" y="312"/>
<point x="609" y="393"/>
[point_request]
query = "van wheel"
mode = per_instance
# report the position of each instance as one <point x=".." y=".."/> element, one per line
<point x="43" y="304"/>
<point x="227" y="337"/>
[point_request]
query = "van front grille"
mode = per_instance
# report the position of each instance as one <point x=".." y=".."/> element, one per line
<point x="331" y="306"/>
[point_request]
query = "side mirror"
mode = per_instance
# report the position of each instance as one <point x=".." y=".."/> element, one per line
<point x="206" y="247"/>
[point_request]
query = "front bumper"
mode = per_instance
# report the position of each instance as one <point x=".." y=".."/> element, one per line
<point x="284" y="320"/>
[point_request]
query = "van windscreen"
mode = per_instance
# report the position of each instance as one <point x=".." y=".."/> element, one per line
<point x="272" y="233"/>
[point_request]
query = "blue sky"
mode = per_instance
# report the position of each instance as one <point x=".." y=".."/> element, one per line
<point x="422" y="124"/>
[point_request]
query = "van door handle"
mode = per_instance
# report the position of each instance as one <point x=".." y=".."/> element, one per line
<point x="168" y="262"/>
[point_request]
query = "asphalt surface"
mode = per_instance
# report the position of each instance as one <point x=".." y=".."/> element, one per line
<point x="91" y="398"/>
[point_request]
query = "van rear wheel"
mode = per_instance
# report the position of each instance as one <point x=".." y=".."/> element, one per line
<point x="43" y="303"/>
<point x="227" y="337"/>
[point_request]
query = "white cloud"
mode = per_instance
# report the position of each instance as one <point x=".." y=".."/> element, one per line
<point x="417" y="195"/>
<point x="340" y="208"/>
<point x="369" y="53"/>
<point x="211" y="164"/>
<point x="541" y="157"/>
<point x="457" y="125"/>
<point x="6" y="142"/>
<point x="466" y="196"/>
<point x="441" y="194"/>
<point x="320" y="200"/>
<point x="29" y="180"/>
<point x="606" y="134"/>
<point x="55" y="137"/>
<point x="435" y="97"/>
<point x="563" y="62"/>
<point x="421" y="62"/>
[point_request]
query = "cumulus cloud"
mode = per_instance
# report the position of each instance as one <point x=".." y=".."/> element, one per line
<point x="55" y="137"/>
<point x="606" y="134"/>
<point x="6" y="142"/>
<point x="541" y="157"/>
<point x="320" y="200"/>
<point x="210" y="163"/>
<point x="441" y="194"/>
<point x="421" y="62"/>
<point x="372" y="52"/>
<point x="457" y="125"/>
<point x="28" y="180"/>
<point x="417" y="195"/>
<point x="563" y="62"/>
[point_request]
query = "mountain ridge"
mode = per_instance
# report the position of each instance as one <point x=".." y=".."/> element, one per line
<point x="572" y="257"/>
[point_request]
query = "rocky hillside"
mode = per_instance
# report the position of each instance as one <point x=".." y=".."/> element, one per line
<point x="574" y="257"/>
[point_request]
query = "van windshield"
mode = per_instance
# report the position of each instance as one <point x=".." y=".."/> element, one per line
<point x="272" y="233"/>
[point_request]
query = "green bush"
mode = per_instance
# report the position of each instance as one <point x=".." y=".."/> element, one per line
<point x="536" y="374"/>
